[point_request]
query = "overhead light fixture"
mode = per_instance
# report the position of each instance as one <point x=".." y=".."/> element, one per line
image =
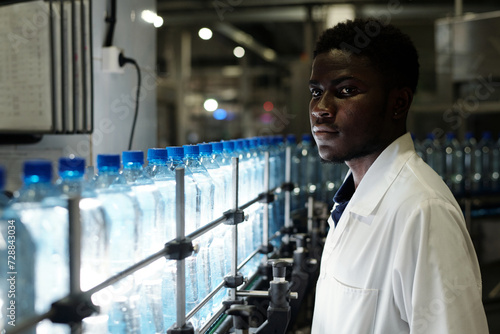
<point x="151" y="17"/>
<point x="239" y="52"/>
<point x="210" y="105"/>
<point x="205" y="34"/>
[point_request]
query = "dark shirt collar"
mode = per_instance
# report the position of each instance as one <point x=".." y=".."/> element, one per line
<point x="342" y="198"/>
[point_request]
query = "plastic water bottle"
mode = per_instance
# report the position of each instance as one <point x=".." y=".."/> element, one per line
<point x="469" y="147"/>
<point x="94" y="266"/>
<point x="484" y="150"/>
<point x="495" y="167"/>
<point x="40" y="207"/>
<point x="434" y="154"/>
<point x="291" y="141"/>
<point x="226" y="167"/>
<point x="245" y="232"/>
<point x="418" y="146"/>
<point x="152" y="237"/>
<point x="123" y="216"/>
<point x="309" y="168"/>
<point x="192" y="195"/>
<point x="156" y="157"/>
<point x="206" y="187"/>
<point x="454" y="164"/>
<point x="217" y="256"/>
<point x="17" y="269"/>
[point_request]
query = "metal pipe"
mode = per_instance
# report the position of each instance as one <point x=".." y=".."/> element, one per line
<point x="288" y="172"/>
<point x="199" y="232"/>
<point x="180" y="225"/>
<point x="265" y="223"/>
<point x="75" y="233"/>
<point x="310" y="214"/>
<point x="245" y="261"/>
<point x="234" y="262"/>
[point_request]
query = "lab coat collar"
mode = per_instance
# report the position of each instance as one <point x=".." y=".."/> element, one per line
<point x="381" y="175"/>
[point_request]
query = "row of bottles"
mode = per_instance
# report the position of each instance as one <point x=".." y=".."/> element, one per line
<point x="468" y="166"/>
<point x="127" y="213"/>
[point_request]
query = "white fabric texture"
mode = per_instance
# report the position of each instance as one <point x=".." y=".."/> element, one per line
<point x="400" y="259"/>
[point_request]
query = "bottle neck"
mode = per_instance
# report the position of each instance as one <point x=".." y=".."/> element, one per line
<point x="109" y="170"/>
<point x="133" y="165"/>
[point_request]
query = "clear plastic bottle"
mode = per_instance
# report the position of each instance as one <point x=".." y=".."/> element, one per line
<point x="434" y="154"/>
<point x="454" y="164"/>
<point x="469" y="147"/>
<point x="17" y="251"/>
<point x="94" y="266"/>
<point x="495" y="167"/>
<point x="484" y="151"/>
<point x="206" y="186"/>
<point x="156" y="157"/>
<point x="44" y="213"/>
<point x="217" y="256"/>
<point x="123" y="217"/>
<point x="192" y="196"/>
<point x="309" y="166"/>
<point x="151" y="235"/>
<point x="226" y="167"/>
<point x="291" y="141"/>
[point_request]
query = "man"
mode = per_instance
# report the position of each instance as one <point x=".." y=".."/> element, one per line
<point x="398" y="258"/>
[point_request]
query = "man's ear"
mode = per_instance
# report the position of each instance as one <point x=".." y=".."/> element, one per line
<point x="401" y="99"/>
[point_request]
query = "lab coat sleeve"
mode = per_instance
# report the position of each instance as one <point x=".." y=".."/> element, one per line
<point x="436" y="277"/>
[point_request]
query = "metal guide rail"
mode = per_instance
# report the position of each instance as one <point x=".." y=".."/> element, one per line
<point x="77" y="305"/>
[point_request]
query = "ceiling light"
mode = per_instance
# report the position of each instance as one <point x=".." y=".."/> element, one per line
<point x="205" y="34"/>
<point x="239" y="52"/>
<point x="210" y="105"/>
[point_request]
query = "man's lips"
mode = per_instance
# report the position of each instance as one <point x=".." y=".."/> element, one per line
<point x="320" y="129"/>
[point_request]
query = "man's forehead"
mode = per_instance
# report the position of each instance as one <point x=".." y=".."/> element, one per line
<point x="341" y="59"/>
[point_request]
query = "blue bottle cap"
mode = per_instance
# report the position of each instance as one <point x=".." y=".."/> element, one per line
<point x="487" y="135"/>
<point x="108" y="160"/>
<point x="205" y="148"/>
<point x="157" y="154"/>
<point x="2" y="178"/>
<point x="263" y="141"/>
<point x="291" y="138"/>
<point x="40" y="169"/>
<point x="253" y="142"/>
<point x="132" y="157"/>
<point x="450" y="135"/>
<point x="238" y="145"/>
<point x="175" y="152"/>
<point x="217" y="147"/>
<point x="228" y="145"/>
<point x="306" y="137"/>
<point x="469" y="135"/>
<point x="75" y="164"/>
<point x="278" y="139"/>
<point x="191" y="150"/>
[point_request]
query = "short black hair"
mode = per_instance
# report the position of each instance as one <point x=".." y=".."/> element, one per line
<point x="389" y="50"/>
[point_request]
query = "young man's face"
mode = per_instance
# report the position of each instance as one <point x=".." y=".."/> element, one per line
<point x="348" y="108"/>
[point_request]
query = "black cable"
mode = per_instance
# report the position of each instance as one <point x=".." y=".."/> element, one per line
<point x="111" y="19"/>
<point x="122" y="60"/>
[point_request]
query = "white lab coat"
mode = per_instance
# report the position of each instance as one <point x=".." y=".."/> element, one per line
<point x="400" y="259"/>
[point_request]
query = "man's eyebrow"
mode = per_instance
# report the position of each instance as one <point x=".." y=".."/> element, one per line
<point x="334" y="81"/>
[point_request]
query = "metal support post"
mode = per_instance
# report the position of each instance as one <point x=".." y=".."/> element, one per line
<point x="310" y="214"/>
<point x="234" y="262"/>
<point x="75" y="233"/>
<point x="265" y="227"/>
<point x="180" y="225"/>
<point x="288" y="177"/>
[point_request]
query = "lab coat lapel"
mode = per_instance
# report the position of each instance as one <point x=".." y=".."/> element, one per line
<point x="374" y="185"/>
